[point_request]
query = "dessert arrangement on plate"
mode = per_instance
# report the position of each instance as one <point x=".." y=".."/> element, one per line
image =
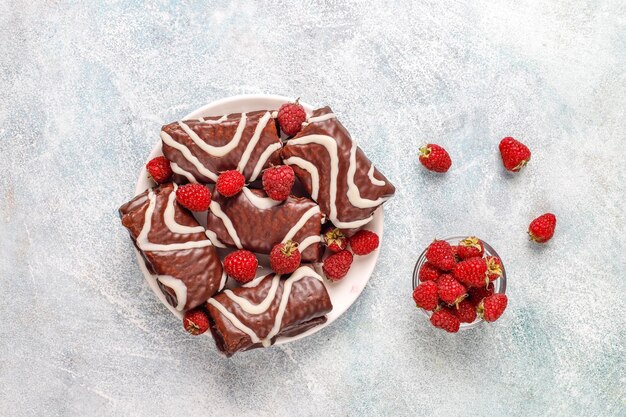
<point x="255" y="219"/>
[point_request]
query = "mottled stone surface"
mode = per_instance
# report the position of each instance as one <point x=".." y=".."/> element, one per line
<point x="86" y="87"/>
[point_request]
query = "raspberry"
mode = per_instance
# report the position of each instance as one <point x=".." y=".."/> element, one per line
<point x="196" y="321"/>
<point x="290" y="118"/>
<point x="229" y="183"/>
<point x="492" y="307"/>
<point x="470" y="247"/>
<point x="542" y="228"/>
<point x="446" y="320"/>
<point x="455" y="253"/>
<point x="428" y="272"/>
<point x="439" y="253"/>
<point x="336" y="266"/>
<point x="195" y="197"/>
<point x="515" y="155"/>
<point x="241" y="265"/>
<point x="335" y="240"/>
<point x="277" y="182"/>
<point x="435" y="158"/>
<point x="494" y="267"/>
<point x="450" y="290"/>
<point x="472" y="272"/>
<point x="364" y="242"/>
<point x="476" y="294"/>
<point x="425" y="295"/>
<point x="285" y="257"/>
<point x="465" y="311"/>
<point x="159" y="169"/>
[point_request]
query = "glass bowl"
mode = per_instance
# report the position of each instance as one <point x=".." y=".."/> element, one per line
<point x="499" y="285"/>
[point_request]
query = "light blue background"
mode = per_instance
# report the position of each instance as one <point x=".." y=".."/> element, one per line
<point x="85" y="88"/>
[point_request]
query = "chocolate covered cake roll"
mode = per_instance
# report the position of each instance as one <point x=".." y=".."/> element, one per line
<point x="255" y="222"/>
<point x="200" y="149"/>
<point x="254" y="316"/>
<point x="335" y="171"/>
<point x="174" y="247"/>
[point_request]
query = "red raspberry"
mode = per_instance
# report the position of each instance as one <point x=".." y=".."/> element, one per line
<point x="472" y="272"/>
<point x="470" y="247"/>
<point x="277" y="182"/>
<point x="285" y="257"/>
<point x="425" y="295"/>
<point x="476" y="294"/>
<point x="159" y="169"/>
<point x="428" y="272"/>
<point x="439" y="253"/>
<point x="195" y="197"/>
<point x="335" y="240"/>
<point x="446" y="320"/>
<point x="229" y="183"/>
<point x="450" y="290"/>
<point x="515" y="155"/>
<point x="196" y="321"/>
<point x="455" y="253"/>
<point x="364" y="242"/>
<point x="336" y="266"/>
<point x="492" y="307"/>
<point x="435" y="158"/>
<point x="465" y="311"/>
<point x="290" y="118"/>
<point x="494" y="267"/>
<point x="542" y="228"/>
<point x="241" y="265"/>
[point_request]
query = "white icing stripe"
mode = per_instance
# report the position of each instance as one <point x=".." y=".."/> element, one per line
<point x="262" y="203"/>
<point x="214" y="239"/>
<point x="167" y="139"/>
<point x="262" y="307"/>
<point x="145" y="245"/>
<point x="263" y="159"/>
<point x="274" y="114"/>
<point x="223" y="280"/>
<point x="308" y="242"/>
<point x="253" y="141"/>
<point x="354" y="195"/>
<point x="178" y="170"/>
<point x="254" y="282"/>
<point x="321" y="118"/>
<point x="311" y="169"/>
<point x="179" y="287"/>
<point x="214" y="122"/>
<point x="217" y="151"/>
<point x="170" y="220"/>
<point x="300" y="224"/>
<point x="217" y="210"/>
<point x="373" y="179"/>
<point x="234" y="320"/>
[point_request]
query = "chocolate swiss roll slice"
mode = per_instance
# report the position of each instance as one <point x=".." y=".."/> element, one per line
<point x="335" y="171"/>
<point x="256" y="314"/>
<point x="200" y="149"/>
<point x="174" y="246"/>
<point x="251" y="220"/>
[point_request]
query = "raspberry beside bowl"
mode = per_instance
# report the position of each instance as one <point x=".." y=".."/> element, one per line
<point x="499" y="285"/>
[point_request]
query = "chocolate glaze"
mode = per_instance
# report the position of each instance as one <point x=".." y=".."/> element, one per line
<point x="307" y="306"/>
<point x="219" y="135"/>
<point x="200" y="269"/>
<point x="260" y="229"/>
<point x="319" y="157"/>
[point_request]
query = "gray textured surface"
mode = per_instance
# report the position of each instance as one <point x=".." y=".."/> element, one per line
<point x="85" y="89"/>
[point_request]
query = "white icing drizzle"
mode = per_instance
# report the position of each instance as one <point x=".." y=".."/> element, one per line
<point x="178" y="170"/>
<point x="214" y="239"/>
<point x="274" y="114"/>
<point x="321" y="118"/>
<point x="214" y="122"/>
<point x="144" y="244"/>
<point x="250" y="308"/>
<point x="300" y="224"/>
<point x="167" y="139"/>
<point x="217" y="210"/>
<point x="217" y="151"/>
<point x="308" y="242"/>
<point x="311" y="169"/>
<point x="234" y="320"/>
<point x="354" y="194"/>
<point x="263" y="159"/>
<point x="254" y="282"/>
<point x="223" y="280"/>
<point x="373" y="179"/>
<point x="262" y="203"/>
<point x="253" y="141"/>
<point x="170" y="220"/>
<point x="179" y="287"/>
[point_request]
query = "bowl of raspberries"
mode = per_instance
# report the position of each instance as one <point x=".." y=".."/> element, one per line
<point x="460" y="282"/>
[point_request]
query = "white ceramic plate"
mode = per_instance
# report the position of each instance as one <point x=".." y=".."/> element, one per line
<point x="342" y="293"/>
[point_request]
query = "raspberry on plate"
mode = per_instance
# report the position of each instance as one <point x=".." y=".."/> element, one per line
<point x="439" y="253"/>
<point x="336" y="266"/>
<point x="492" y="307"/>
<point x="425" y="295"/>
<point x="450" y="290"/>
<point x="364" y="242"/>
<point x="229" y="183"/>
<point x="472" y="272"/>
<point x="241" y="265"/>
<point x="277" y="182"/>
<point x="159" y="169"/>
<point x="428" y="272"/>
<point x="515" y="155"/>
<point x="465" y="311"/>
<point x="542" y="228"/>
<point x="196" y="321"/>
<point x="435" y="158"/>
<point x="285" y="257"/>
<point x="470" y="247"/>
<point x="335" y="240"/>
<point x="195" y="197"/>
<point x="445" y="319"/>
<point x="290" y="118"/>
